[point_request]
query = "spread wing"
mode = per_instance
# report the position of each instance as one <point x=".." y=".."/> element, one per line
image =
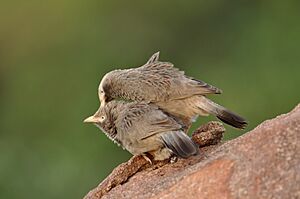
<point x="158" y="81"/>
<point x="144" y="121"/>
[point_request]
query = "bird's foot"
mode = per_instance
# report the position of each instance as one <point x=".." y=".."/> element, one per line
<point x="173" y="159"/>
<point x="147" y="158"/>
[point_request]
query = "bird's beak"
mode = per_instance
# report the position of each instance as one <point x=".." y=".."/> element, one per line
<point x="91" y="119"/>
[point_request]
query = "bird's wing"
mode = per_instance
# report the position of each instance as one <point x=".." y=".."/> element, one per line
<point x="180" y="143"/>
<point x="159" y="81"/>
<point x="143" y="121"/>
<point x="180" y="85"/>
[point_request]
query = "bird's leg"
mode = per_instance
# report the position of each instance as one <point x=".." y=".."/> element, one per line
<point x="186" y="130"/>
<point x="173" y="159"/>
<point x="186" y="125"/>
<point x="147" y="158"/>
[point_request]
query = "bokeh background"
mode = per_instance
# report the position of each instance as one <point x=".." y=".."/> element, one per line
<point x="53" y="55"/>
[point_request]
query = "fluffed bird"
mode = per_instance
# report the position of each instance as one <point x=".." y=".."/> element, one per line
<point x="143" y="128"/>
<point x="162" y="84"/>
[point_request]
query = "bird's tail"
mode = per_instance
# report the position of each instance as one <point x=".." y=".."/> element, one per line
<point x="222" y="113"/>
<point x="180" y="143"/>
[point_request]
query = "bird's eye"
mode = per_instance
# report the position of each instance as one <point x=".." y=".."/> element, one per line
<point x="101" y="91"/>
<point x="102" y="118"/>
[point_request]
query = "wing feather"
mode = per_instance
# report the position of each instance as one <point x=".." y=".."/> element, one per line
<point x="156" y="81"/>
<point x="180" y="144"/>
<point x="144" y="120"/>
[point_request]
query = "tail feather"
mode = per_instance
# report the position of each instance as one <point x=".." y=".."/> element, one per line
<point x="222" y="113"/>
<point x="180" y="144"/>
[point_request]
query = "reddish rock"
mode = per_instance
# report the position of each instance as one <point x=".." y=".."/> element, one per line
<point x="263" y="163"/>
<point x="209" y="134"/>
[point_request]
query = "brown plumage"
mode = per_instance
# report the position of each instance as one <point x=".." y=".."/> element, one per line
<point x="167" y="87"/>
<point x="143" y="128"/>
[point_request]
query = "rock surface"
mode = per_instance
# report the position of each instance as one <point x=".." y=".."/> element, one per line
<point x="263" y="163"/>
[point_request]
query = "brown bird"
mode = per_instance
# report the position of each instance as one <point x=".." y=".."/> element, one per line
<point x="143" y="128"/>
<point x="162" y="84"/>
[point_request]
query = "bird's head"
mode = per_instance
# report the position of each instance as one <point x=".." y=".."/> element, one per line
<point x="105" y="90"/>
<point x="105" y="120"/>
<point x="99" y="119"/>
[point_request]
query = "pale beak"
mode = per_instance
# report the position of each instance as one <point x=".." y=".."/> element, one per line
<point x="91" y="119"/>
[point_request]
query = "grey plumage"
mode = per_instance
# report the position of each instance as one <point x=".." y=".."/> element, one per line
<point x="162" y="84"/>
<point x="142" y="128"/>
<point x="179" y="143"/>
<point x="222" y="113"/>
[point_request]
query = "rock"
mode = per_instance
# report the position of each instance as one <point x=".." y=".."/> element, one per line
<point x="209" y="134"/>
<point x="263" y="163"/>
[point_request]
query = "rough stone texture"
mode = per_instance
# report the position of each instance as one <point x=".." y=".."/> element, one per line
<point x="209" y="134"/>
<point x="263" y="163"/>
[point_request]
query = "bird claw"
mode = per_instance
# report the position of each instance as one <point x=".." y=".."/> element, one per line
<point x="147" y="158"/>
<point x="173" y="159"/>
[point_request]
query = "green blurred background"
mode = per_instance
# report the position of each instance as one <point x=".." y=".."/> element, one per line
<point x="53" y="55"/>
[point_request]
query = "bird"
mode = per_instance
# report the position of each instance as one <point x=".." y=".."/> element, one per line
<point x="142" y="128"/>
<point x="167" y="87"/>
